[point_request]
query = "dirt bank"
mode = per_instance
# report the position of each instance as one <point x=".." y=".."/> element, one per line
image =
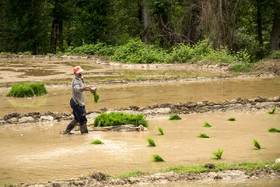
<point x="100" y="179"/>
<point x="239" y="104"/>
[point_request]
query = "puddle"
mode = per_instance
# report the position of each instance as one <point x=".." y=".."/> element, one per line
<point x="40" y="153"/>
<point x="117" y="96"/>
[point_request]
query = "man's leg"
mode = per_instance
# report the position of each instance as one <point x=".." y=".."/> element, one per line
<point x="71" y="125"/>
<point x="80" y="114"/>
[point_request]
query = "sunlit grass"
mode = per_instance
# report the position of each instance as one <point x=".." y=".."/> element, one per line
<point x="231" y="119"/>
<point x="27" y="89"/>
<point x="273" y="130"/>
<point x="206" y="124"/>
<point x="160" y="131"/>
<point x="203" y="136"/>
<point x="272" y="111"/>
<point x="218" y="154"/>
<point x="257" y="145"/>
<point x="158" y="158"/>
<point x="97" y="142"/>
<point x="175" y="117"/>
<point x="151" y="142"/>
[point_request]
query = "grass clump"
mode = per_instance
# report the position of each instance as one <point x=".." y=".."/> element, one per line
<point x="96" y="97"/>
<point x="203" y="136"/>
<point x="158" y="158"/>
<point x="27" y="89"/>
<point x="175" y="117"/>
<point x="231" y="119"/>
<point x="273" y="130"/>
<point x="151" y="142"/>
<point x="119" y="118"/>
<point x="272" y="111"/>
<point x="218" y="154"/>
<point x="241" y="67"/>
<point x="97" y="142"/>
<point x="257" y="145"/>
<point x="206" y="124"/>
<point x="160" y="131"/>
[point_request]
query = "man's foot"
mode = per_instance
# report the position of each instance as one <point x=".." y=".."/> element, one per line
<point x="65" y="132"/>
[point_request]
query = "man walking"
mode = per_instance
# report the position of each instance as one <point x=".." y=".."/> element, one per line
<point x="77" y="101"/>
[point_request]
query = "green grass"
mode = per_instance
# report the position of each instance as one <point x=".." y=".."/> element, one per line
<point x="273" y="130"/>
<point x="247" y="166"/>
<point x="257" y="145"/>
<point x="175" y="117"/>
<point x="119" y="118"/>
<point x="231" y="119"/>
<point x="151" y="142"/>
<point x="218" y="154"/>
<point x="157" y="158"/>
<point x="97" y="142"/>
<point x="203" y="136"/>
<point x="241" y="67"/>
<point x="160" y="131"/>
<point x="206" y="124"/>
<point x="27" y="89"/>
<point x="272" y="111"/>
<point x="96" y="97"/>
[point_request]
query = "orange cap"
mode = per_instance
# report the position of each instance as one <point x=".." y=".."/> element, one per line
<point x="77" y="69"/>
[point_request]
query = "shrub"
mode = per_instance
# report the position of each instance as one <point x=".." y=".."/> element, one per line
<point x="119" y="118"/>
<point x="256" y="144"/>
<point x="218" y="154"/>
<point x="275" y="55"/>
<point x="161" y="131"/>
<point x="272" y="111"/>
<point x="203" y="136"/>
<point x="97" y="142"/>
<point x="175" y="117"/>
<point x="158" y="158"/>
<point x="27" y="89"/>
<point x="273" y="130"/>
<point x="206" y="124"/>
<point x="231" y="119"/>
<point x="151" y="142"/>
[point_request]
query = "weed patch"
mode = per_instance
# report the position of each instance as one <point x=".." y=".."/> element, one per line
<point x="218" y="154"/>
<point x="175" y="117"/>
<point x="119" y="118"/>
<point x="273" y="130"/>
<point x="272" y="111"/>
<point x="27" y="89"/>
<point x="151" y="142"/>
<point x="158" y="158"/>
<point x="241" y="67"/>
<point x="206" y="124"/>
<point x="160" y="131"/>
<point x="97" y="142"/>
<point x="203" y="136"/>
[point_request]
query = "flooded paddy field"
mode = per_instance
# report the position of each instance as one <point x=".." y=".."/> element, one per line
<point x="39" y="153"/>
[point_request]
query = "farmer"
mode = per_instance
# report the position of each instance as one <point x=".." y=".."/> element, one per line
<point x="77" y="101"/>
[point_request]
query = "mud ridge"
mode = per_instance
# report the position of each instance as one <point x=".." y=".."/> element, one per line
<point x="239" y="104"/>
<point x="100" y="179"/>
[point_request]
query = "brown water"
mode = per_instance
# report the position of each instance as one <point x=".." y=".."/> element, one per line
<point x="57" y="100"/>
<point x="40" y="153"/>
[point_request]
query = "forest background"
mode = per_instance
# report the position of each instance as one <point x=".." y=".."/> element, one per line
<point x="143" y="31"/>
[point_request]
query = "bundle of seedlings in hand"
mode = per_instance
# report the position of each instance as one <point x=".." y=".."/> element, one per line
<point x="206" y="124"/>
<point x="203" y="136"/>
<point x="175" y="117"/>
<point x="28" y="89"/>
<point x="273" y="130"/>
<point x="151" y="142"/>
<point x="161" y="131"/>
<point x="97" y="142"/>
<point x="218" y="154"/>
<point x="158" y="158"/>
<point x="256" y="144"/>
<point x="231" y="119"/>
<point x="272" y="111"/>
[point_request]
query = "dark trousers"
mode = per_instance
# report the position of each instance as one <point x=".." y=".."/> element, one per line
<point x="79" y="113"/>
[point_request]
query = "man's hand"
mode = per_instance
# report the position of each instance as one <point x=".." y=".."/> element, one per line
<point x="93" y="90"/>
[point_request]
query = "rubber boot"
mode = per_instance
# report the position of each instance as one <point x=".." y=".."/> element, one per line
<point x="83" y="128"/>
<point x="71" y="126"/>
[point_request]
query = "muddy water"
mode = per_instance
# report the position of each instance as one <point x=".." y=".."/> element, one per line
<point x="39" y="153"/>
<point x="57" y="100"/>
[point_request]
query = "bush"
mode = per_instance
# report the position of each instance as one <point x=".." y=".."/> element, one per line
<point x="275" y="55"/>
<point x="27" y="89"/>
<point x="119" y="118"/>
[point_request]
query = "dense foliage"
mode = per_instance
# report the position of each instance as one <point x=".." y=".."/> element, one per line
<point x="27" y="89"/>
<point x="169" y="31"/>
<point x="119" y="118"/>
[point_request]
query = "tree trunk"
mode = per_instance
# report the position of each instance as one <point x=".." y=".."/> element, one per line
<point x="55" y="26"/>
<point x="275" y="32"/>
<point x="259" y="29"/>
<point x="144" y="19"/>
